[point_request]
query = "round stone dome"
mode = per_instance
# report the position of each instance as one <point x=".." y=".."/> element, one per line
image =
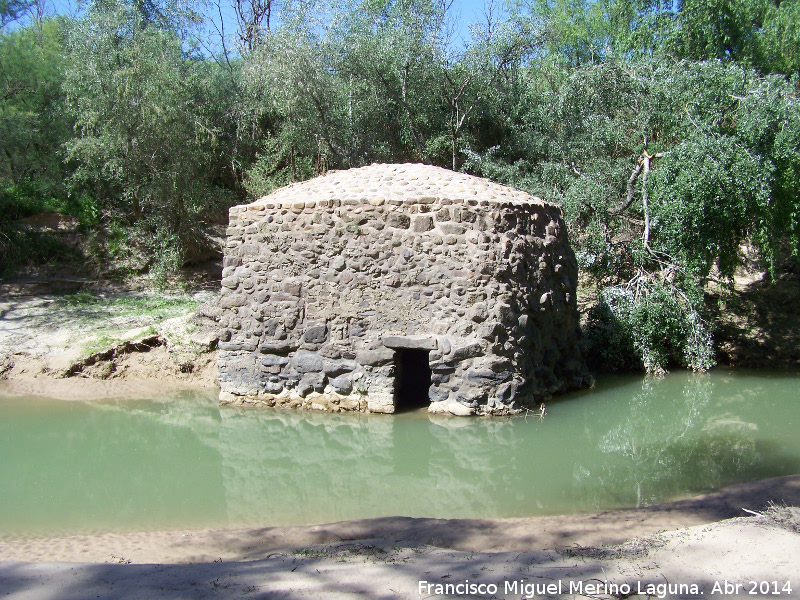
<point x="393" y="184"/>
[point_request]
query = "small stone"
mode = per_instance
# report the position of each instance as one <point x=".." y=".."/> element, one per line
<point x="465" y="351"/>
<point x="478" y="312"/>
<point x="307" y="362"/>
<point x="505" y="393"/>
<point x="459" y="410"/>
<point x="437" y="394"/>
<point x="399" y="220"/>
<point x="489" y="331"/>
<point x="452" y="228"/>
<point x="338" y="367"/>
<point x="311" y="382"/>
<point x="273" y="387"/>
<point x="439" y="408"/>
<point x="277" y="347"/>
<point x="338" y="263"/>
<point x="292" y="288"/>
<point x="315" y="334"/>
<point x="343" y="384"/>
<point x="272" y="361"/>
<point x="422" y="223"/>
<point x="233" y="300"/>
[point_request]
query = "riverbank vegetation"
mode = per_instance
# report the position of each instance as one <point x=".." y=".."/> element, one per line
<point x="669" y="132"/>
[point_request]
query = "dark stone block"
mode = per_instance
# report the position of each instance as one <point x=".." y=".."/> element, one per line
<point x="277" y="347"/>
<point x="375" y="358"/>
<point x="316" y="334"/>
<point x="398" y="220"/>
<point x="272" y="361"/>
<point x="437" y="394"/>
<point x="311" y="382"/>
<point x="247" y="346"/>
<point x="307" y="362"/>
<point x="338" y="367"/>
<point x="470" y="350"/>
<point x="489" y="376"/>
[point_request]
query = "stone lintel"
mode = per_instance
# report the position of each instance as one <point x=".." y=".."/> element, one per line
<point x="396" y="342"/>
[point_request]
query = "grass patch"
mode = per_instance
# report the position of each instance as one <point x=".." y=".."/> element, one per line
<point x="105" y="342"/>
<point x="129" y="305"/>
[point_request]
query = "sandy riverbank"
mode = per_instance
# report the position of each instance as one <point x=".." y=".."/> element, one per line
<point x="115" y="345"/>
<point x="682" y="542"/>
<point x="142" y="374"/>
<point x="713" y="561"/>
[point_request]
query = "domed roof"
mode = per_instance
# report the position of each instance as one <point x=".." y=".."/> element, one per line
<point x="395" y="182"/>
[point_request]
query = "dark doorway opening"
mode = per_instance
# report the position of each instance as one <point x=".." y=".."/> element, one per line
<point x="412" y="379"/>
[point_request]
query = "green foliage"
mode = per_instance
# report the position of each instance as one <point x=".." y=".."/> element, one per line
<point x="143" y="142"/>
<point x="20" y="245"/>
<point x="708" y="191"/>
<point x="650" y="324"/>
<point x="274" y="169"/>
<point x="33" y="119"/>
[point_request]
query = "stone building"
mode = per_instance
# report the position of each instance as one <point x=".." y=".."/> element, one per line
<point x="398" y="286"/>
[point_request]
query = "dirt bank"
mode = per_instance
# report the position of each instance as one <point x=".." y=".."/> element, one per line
<point x="101" y="345"/>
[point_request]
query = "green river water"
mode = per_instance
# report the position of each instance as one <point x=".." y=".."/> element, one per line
<point x="183" y="461"/>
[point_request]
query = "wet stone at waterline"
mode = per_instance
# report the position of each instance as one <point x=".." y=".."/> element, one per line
<point x="391" y="287"/>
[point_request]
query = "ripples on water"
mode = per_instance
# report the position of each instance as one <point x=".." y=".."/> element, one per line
<point x="186" y="462"/>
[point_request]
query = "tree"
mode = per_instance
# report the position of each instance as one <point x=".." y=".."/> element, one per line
<point x="253" y="19"/>
<point x="300" y="100"/>
<point x="393" y="59"/>
<point x="33" y="119"/>
<point x="143" y="143"/>
<point x="11" y="10"/>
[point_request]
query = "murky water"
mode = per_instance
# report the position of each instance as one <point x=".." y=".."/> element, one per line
<point x="185" y="462"/>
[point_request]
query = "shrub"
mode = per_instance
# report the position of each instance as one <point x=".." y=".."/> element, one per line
<point x="649" y="324"/>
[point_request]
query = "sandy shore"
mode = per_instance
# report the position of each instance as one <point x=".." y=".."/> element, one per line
<point x="714" y="561"/>
<point x="682" y="542"/>
<point x="109" y="347"/>
<point x="139" y="375"/>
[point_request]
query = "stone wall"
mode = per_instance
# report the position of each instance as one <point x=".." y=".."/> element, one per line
<point x="327" y="283"/>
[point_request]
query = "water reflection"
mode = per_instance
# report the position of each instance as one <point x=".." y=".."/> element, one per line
<point x="311" y="467"/>
<point x="187" y="462"/>
<point x="677" y="436"/>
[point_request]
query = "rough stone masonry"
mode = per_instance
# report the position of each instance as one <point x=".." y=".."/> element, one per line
<point x="389" y="286"/>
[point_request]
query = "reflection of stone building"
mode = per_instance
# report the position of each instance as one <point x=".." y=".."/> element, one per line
<point x="287" y="467"/>
<point x="397" y="285"/>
